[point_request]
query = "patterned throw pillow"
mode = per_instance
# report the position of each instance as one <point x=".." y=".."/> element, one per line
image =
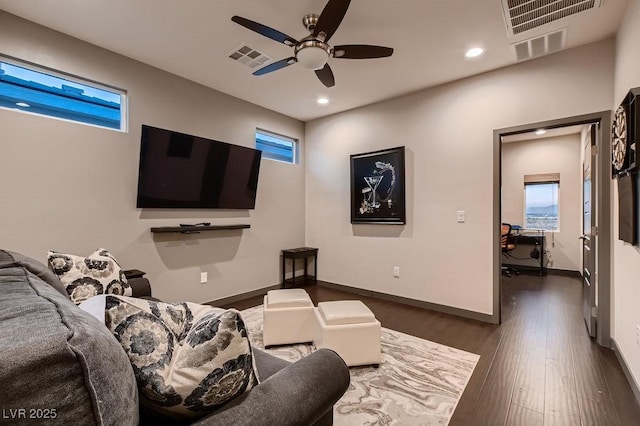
<point x="188" y="359"/>
<point x="85" y="277"/>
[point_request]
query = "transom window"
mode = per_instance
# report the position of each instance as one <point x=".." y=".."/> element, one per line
<point x="276" y="147"/>
<point x="541" y="204"/>
<point x="40" y="91"/>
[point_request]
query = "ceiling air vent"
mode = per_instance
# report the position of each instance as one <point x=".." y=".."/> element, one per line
<point x="525" y="15"/>
<point x="540" y="46"/>
<point x="248" y="56"/>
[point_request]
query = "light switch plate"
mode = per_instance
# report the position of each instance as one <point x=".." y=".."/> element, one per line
<point x="396" y="271"/>
<point x="203" y="277"/>
<point x="460" y="216"/>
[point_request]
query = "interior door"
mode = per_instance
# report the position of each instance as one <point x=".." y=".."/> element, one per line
<point x="588" y="236"/>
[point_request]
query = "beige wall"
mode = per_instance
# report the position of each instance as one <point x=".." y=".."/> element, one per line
<point x="559" y="154"/>
<point x="626" y="258"/>
<point x="448" y="133"/>
<point x="72" y="187"/>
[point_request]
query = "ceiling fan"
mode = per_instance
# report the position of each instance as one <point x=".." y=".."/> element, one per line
<point x="313" y="51"/>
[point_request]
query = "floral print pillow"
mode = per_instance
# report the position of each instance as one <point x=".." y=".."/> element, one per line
<point x="85" y="277"/>
<point x="188" y="359"/>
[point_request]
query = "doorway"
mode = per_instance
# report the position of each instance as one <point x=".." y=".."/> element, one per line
<point x="597" y="294"/>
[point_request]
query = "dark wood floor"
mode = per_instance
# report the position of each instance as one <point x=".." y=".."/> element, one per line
<point x="538" y="368"/>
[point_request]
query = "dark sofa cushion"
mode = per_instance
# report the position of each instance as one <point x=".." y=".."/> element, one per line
<point x="301" y="393"/>
<point x="40" y="270"/>
<point x="56" y="359"/>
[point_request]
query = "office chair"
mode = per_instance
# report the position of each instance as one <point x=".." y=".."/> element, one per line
<point x="507" y="245"/>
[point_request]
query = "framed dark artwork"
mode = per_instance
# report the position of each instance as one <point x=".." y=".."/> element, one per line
<point x="378" y="187"/>
<point x="625" y="133"/>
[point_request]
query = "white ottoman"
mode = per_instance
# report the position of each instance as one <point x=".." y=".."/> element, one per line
<point x="349" y="328"/>
<point x="288" y="317"/>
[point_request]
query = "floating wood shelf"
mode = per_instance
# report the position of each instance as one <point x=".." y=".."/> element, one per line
<point x="196" y="228"/>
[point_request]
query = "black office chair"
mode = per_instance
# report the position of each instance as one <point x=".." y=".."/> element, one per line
<point x="507" y="243"/>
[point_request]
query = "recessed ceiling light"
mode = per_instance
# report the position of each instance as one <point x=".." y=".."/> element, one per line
<point x="323" y="101"/>
<point x="474" y="52"/>
<point x="540" y="132"/>
<point x="23" y="104"/>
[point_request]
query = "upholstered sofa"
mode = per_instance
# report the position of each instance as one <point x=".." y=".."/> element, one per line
<point x="60" y="363"/>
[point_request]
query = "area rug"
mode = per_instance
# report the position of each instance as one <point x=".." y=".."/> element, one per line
<point x="418" y="382"/>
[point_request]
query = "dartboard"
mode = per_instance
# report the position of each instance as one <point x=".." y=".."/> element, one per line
<point x="619" y="138"/>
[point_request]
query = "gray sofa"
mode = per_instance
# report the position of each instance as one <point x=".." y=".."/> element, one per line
<point x="59" y="363"/>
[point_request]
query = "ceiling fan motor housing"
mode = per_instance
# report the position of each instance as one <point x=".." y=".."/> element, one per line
<point x="310" y="21"/>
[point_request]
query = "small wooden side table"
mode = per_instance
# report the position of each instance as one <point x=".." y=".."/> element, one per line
<point x="300" y="253"/>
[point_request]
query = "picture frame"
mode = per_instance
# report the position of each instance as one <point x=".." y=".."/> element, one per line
<point x="378" y="187"/>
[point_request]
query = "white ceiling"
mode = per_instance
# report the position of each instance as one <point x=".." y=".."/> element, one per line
<point x="193" y="39"/>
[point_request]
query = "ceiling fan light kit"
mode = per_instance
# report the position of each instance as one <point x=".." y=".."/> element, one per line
<point x="313" y="52"/>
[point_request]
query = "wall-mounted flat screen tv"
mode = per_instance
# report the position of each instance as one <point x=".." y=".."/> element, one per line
<point x="184" y="171"/>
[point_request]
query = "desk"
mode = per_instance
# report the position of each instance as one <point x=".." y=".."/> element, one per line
<point x="534" y="239"/>
<point x="300" y="253"/>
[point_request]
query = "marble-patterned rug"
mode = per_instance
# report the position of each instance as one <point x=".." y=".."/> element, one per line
<point x="418" y="382"/>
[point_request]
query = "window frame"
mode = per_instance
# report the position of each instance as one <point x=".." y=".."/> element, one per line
<point x="30" y="66"/>
<point x="533" y="180"/>
<point x="294" y="145"/>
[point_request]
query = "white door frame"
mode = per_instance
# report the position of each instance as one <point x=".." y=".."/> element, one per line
<point x="603" y="219"/>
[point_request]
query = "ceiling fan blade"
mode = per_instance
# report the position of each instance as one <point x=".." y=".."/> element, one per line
<point x="265" y="31"/>
<point x="361" y="51"/>
<point x="326" y="76"/>
<point x="275" y="66"/>
<point x="330" y="18"/>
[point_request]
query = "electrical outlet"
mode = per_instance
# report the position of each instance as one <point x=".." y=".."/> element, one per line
<point x="203" y="277"/>
<point x="460" y="216"/>
<point x="396" y="271"/>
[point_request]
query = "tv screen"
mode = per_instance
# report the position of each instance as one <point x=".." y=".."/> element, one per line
<point x="627" y="208"/>
<point x="184" y="171"/>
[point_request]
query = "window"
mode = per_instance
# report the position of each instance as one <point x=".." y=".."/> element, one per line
<point x="541" y="204"/>
<point x="37" y="90"/>
<point x="276" y="147"/>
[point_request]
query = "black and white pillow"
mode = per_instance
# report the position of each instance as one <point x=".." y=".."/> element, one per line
<point x="85" y="277"/>
<point x="188" y="359"/>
